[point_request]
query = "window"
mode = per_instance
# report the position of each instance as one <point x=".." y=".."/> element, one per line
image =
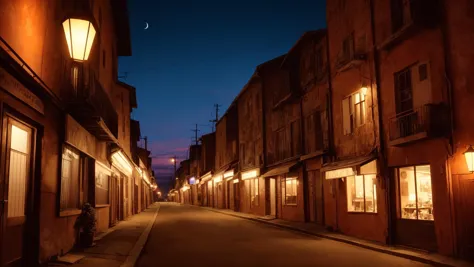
<point x="295" y="138"/>
<point x="400" y="13"/>
<point x="70" y="174"/>
<point x="289" y="188"/>
<point x="314" y="133"/>
<point x="280" y="144"/>
<point x="242" y="152"/>
<point x="254" y="192"/>
<point x="414" y="187"/>
<point x="361" y="193"/>
<point x="403" y="91"/>
<point x="348" y="48"/>
<point x="319" y="61"/>
<point x="354" y="111"/>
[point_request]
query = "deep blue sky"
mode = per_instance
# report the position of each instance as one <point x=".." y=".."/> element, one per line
<point x="197" y="53"/>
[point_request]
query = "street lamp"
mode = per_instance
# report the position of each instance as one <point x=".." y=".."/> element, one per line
<point x="469" y="155"/>
<point x="80" y="34"/>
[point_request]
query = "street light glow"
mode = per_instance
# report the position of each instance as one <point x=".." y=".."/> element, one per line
<point x="80" y="35"/>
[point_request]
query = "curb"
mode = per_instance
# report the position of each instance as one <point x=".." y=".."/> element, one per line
<point x="295" y="229"/>
<point x="140" y="244"/>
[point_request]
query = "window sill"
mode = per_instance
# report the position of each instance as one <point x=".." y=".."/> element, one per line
<point x="102" y="206"/>
<point x="290" y="205"/>
<point x="362" y="213"/>
<point x="69" y="212"/>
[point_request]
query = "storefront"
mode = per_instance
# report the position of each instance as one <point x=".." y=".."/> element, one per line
<point x="354" y="198"/>
<point x="103" y="175"/>
<point x="414" y="221"/>
<point x="252" y="192"/>
<point x="123" y="171"/>
<point x="284" y="192"/>
<point x="218" y="189"/>
<point x="232" y="192"/>
<point x="206" y="185"/>
<point x="315" y="190"/>
<point x="31" y="127"/>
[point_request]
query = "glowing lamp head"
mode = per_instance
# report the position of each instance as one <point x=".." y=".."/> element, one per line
<point x="172" y="160"/>
<point x="469" y="155"/>
<point x="80" y="36"/>
<point x="363" y="90"/>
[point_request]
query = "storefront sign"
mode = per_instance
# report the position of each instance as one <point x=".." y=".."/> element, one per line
<point x="14" y="87"/>
<point x="79" y="137"/>
<point x="250" y="174"/>
<point x="340" y="173"/>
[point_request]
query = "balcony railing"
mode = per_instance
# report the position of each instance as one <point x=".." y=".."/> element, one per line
<point x="88" y="102"/>
<point x="426" y="121"/>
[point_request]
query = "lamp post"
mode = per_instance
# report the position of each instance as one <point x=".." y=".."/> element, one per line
<point x="173" y="160"/>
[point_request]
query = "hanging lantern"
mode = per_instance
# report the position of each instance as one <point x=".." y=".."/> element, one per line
<point x="80" y="36"/>
<point x="469" y="155"/>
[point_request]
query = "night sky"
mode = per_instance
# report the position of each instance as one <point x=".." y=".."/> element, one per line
<point x="198" y="53"/>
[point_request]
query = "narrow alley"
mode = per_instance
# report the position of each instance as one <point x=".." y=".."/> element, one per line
<point x="193" y="236"/>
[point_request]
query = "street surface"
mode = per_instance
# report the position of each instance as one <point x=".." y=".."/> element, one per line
<point x="192" y="236"/>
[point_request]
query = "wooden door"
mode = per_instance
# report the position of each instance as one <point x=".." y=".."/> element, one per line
<point x="464" y="203"/>
<point x="16" y="191"/>
<point x="316" y="197"/>
<point x="236" y="196"/>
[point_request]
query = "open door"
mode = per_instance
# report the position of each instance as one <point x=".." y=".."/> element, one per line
<point x="16" y="191"/>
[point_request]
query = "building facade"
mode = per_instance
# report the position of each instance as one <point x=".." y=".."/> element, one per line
<point x="61" y="132"/>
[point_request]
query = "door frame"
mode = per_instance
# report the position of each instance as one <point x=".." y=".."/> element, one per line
<point x="32" y="222"/>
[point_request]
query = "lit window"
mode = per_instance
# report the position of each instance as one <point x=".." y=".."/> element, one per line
<point x="254" y="192"/>
<point x="353" y="111"/>
<point x="416" y="201"/>
<point x="70" y="179"/>
<point x="289" y="189"/>
<point x="361" y="193"/>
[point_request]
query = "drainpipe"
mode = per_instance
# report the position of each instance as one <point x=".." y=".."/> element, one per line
<point x="383" y="170"/>
<point x="452" y="140"/>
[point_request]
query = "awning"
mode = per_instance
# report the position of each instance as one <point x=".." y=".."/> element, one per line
<point x="349" y="167"/>
<point x="286" y="168"/>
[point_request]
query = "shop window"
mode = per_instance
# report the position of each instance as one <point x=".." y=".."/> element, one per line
<point x="361" y="193"/>
<point x="70" y="174"/>
<point x="254" y="192"/>
<point x="101" y="188"/>
<point x="416" y="202"/>
<point x="289" y="189"/>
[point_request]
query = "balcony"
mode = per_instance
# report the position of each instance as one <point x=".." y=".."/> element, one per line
<point x="88" y="102"/>
<point x="352" y="59"/>
<point x="431" y="120"/>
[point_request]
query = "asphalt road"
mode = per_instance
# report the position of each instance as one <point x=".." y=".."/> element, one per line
<point x="191" y="236"/>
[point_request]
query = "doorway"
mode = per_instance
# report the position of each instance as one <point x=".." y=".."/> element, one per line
<point x="316" y="197"/>
<point x="17" y="191"/>
<point x="236" y="189"/>
<point x="270" y="189"/>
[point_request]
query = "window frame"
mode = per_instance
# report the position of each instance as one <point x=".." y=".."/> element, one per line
<point x="365" y="195"/>
<point x="399" y="201"/>
<point x="254" y="188"/>
<point x="360" y="106"/>
<point x="80" y="172"/>
<point x="284" y="191"/>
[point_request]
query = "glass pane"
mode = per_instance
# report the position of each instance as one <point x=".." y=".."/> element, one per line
<point x="69" y="180"/>
<point x="17" y="177"/>
<point x="423" y="188"/>
<point x="19" y="139"/>
<point x="355" y="193"/>
<point x="407" y="193"/>
<point x="358" y="115"/>
<point x="291" y="191"/>
<point x="370" y="193"/>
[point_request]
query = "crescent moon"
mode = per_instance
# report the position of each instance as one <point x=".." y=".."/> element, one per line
<point x="146" y="25"/>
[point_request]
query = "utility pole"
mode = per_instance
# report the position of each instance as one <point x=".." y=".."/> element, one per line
<point x="195" y="130"/>
<point x="217" y="116"/>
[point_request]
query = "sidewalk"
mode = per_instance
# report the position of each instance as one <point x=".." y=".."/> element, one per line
<point x="120" y="246"/>
<point x="320" y="231"/>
